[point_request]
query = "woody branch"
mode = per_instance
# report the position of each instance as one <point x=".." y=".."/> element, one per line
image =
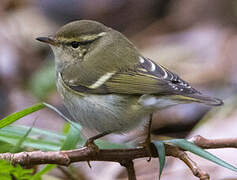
<point x="122" y="156"/>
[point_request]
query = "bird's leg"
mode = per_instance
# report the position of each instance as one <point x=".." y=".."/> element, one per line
<point x="90" y="141"/>
<point x="147" y="143"/>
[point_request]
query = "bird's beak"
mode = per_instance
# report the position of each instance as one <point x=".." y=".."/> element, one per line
<point x="48" y="40"/>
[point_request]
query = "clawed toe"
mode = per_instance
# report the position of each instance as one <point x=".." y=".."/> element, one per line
<point x="147" y="146"/>
<point x="90" y="144"/>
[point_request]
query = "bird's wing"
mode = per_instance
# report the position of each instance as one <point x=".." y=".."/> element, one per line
<point x="146" y="77"/>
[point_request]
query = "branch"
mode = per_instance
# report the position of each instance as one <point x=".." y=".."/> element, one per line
<point x="67" y="157"/>
<point x="198" y="172"/>
<point x="130" y="169"/>
<point x="122" y="156"/>
<point x="214" y="143"/>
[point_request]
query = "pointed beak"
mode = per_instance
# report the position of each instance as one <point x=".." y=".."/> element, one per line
<point x="48" y="40"/>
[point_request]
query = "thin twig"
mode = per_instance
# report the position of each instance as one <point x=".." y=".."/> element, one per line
<point x="197" y="171"/>
<point x="214" y="143"/>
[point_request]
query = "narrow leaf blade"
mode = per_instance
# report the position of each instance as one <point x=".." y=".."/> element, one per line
<point x="20" y="142"/>
<point x="160" y="147"/>
<point x="15" y="116"/>
<point x="72" y="139"/>
<point x="188" y="146"/>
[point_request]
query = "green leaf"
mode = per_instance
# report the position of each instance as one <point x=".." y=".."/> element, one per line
<point x="30" y="142"/>
<point x="20" y="173"/>
<point x="17" y="147"/>
<point x="37" y="139"/>
<point x="70" y="142"/>
<point x="160" y="147"/>
<point x="73" y="136"/>
<point x="188" y="146"/>
<point x="35" y="132"/>
<point x="5" y="147"/>
<point x="15" y="116"/>
<point x="72" y="139"/>
<point x="8" y="171"/>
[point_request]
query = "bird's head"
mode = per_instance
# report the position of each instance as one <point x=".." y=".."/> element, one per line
<point x="74" y="40"/>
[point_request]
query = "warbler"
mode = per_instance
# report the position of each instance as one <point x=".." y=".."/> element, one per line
<point x="107" y="85"/>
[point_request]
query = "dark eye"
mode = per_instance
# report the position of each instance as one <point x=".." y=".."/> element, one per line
<point x="75" y="44"/>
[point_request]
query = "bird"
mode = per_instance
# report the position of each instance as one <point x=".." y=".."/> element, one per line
<point x="107" y="85"/>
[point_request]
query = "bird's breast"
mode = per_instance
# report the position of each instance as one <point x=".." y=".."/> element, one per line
<point x="102" y="113"/>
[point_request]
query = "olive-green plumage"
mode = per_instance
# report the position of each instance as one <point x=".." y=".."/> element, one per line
<point x="106" y="84"/>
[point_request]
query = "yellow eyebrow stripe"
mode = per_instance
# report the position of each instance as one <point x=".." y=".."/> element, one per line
<point x="81" y="38"/>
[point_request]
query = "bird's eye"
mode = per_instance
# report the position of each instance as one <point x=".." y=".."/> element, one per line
<point x="75" y="44"/>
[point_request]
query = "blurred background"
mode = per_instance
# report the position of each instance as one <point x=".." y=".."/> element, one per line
<point x="195" y="39"/>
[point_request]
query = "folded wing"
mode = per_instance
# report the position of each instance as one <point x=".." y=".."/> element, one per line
<point x="146" y="77"/>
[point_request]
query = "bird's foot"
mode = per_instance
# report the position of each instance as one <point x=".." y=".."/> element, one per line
<point x="147" y="146"/>
<point x="93" y="147"/>
<point x="91" y="144"/>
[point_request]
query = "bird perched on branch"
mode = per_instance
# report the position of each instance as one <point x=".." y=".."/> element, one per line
<point x="107" y="85"/>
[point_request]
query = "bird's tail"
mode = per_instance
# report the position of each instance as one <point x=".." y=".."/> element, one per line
<point x="199" y="98"/>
